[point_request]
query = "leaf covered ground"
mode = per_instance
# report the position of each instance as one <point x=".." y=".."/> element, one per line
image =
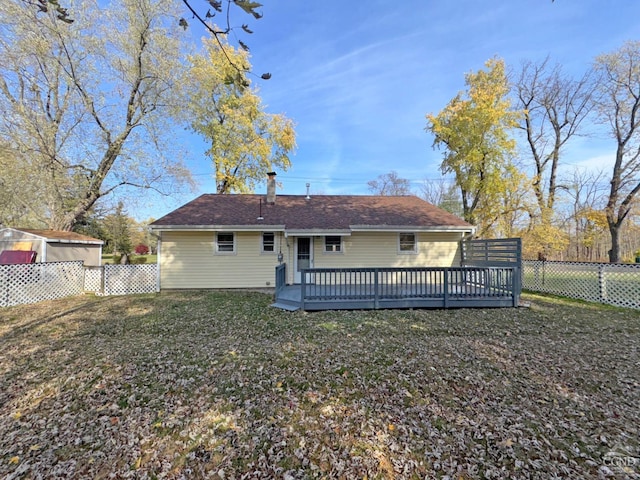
<point x="220" y="385"/>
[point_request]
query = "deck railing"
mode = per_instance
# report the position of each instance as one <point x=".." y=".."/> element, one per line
<point x="323" y="288"/>
<point x="281" y="277"/>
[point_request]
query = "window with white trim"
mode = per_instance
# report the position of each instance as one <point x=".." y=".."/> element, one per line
<point x="407" y="243"/>
<point x="225" y="242"/>
<point x="268" y="242"/>
<point x="333" y="244"/>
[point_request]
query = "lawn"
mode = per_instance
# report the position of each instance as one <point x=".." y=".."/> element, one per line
<point x="151" y="258"/>
<point x="220" y="385"/>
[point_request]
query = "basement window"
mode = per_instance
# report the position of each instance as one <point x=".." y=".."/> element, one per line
<point x="407" y="243"/>
<point x="333" y="244"/>
<point x="225" y="242"/>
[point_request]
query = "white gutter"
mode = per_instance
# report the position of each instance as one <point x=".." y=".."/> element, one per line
<point x="158" y="263"/>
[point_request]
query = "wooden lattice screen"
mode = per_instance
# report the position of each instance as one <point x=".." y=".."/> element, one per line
<point x="130" y="279"/>
<point x="31" y="283"/>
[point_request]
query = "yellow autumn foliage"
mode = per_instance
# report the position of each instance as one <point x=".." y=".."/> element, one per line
<point x="245" y="141"/>
<point x="473" y="129"/>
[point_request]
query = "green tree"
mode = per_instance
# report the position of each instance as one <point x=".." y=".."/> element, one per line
<point x="93" y="225"/>
<point x="118" y="230"/>
<point x="473" y="129"/>
<point x="618" y="106"/>
<point x="246" y="142"/>
<point x="87" y="107"/>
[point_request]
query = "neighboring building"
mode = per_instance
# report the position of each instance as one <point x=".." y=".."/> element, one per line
<point x="236" y="241"/>
<point x="52" y="245"/>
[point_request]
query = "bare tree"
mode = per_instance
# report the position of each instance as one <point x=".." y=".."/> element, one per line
<point x="555" y="107"/>
<point x="618" y="105"/>
<point x="443" y="193"/>
<point x="390" y="184"/>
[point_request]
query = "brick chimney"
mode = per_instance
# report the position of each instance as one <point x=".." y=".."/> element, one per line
<point x="271" y="188"/>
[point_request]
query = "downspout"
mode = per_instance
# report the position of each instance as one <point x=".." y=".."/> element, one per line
<point x="158" y="256"/>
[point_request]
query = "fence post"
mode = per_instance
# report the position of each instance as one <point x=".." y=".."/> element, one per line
<point x="602" y="284"/>
<point x="303" y="287"/>
<point x="516" y="285"/>
<point x="5" y="282"/>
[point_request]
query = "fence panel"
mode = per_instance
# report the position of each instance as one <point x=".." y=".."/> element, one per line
<point x="35" y="282"/>
<point x="613" y="284"/>
<point x="31" y="283"/>
<point x="130" y="279"/>
<point x="93" y="279"/>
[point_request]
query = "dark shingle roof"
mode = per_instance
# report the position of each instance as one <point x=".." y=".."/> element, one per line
<point x="324" y="212"/>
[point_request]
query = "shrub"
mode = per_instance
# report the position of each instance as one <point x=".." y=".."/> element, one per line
<point x="141" y="249"/>
<point x="138" y="260"/>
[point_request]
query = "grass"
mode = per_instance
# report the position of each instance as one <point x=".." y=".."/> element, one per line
<point x="220" y="385"/>
<point x="108" y="258"/>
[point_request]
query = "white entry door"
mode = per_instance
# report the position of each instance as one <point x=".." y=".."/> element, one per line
<point x="303" y="256"/>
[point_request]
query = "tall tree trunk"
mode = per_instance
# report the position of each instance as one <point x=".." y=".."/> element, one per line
<point x="614" y="253"/>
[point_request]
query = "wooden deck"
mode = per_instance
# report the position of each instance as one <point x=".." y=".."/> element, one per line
<point x="378" y="288"/>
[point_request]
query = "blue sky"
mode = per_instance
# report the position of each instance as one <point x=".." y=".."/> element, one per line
<point x="358" y="78"/>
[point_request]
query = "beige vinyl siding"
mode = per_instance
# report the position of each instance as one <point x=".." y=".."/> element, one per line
<point x="188" y="260"/>
<point x="380" y="249"/>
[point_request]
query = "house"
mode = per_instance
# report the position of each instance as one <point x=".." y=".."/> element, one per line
<point x="52" y="245"/>
<point x="236" y="241"/>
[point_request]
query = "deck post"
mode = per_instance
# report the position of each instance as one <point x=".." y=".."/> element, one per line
<point x="376" y="293"/>
<point x="303" y="287"/>
<point x="516" y="285"/>
<point x="446" y="288"/>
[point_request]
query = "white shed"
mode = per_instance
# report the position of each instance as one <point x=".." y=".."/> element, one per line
<point x="53" y="245"/>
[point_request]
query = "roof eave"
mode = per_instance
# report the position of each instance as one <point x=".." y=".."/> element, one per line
<point x="83" y="242"/>
<point x="316" y="232"/>
<point x="412" y="228"/>
<point x="55" y="239"/>
<point x="218" y="228"/>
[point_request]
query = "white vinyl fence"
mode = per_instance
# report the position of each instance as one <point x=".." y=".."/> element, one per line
<point x="611" y="283"/>
<point x="31" y="283"/>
